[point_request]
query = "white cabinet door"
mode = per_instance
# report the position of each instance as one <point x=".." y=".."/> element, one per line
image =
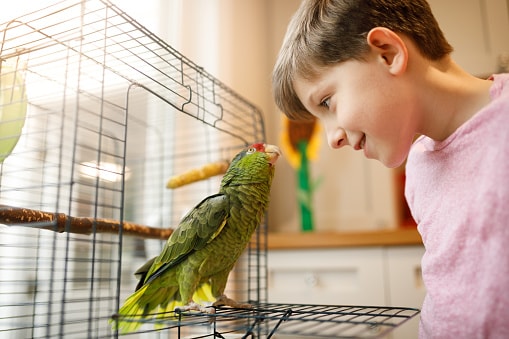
<point x="327" y="276"/>
<point x="404" y="284"/>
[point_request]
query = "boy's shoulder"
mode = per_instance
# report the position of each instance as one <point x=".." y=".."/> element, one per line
<point x="500" y="87"/>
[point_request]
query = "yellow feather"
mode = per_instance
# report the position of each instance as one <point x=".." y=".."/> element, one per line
<point x="130" y="313"/>
<point x="131" y="316"/>
<point x="203" y="294"/>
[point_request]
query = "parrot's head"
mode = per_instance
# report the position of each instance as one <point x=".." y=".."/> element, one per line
<point x="270" y="152"/>
<point x="253" y="164"/>
<point x="260" y="153"/>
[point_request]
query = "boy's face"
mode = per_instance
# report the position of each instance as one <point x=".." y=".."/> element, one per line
<point x="363" y="105"/>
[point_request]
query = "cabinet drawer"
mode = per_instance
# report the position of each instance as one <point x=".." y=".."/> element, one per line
<point x="329" y="276"/>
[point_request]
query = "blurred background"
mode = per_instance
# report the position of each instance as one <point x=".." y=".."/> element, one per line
<point x="237" y="41"/>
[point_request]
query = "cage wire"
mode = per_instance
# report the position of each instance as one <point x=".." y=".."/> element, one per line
<point x="96" y="114"/>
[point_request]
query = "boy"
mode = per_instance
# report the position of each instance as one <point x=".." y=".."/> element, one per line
<point x="378" y="73"/>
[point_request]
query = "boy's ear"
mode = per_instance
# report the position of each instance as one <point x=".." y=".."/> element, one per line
<point x="391" y="48"/>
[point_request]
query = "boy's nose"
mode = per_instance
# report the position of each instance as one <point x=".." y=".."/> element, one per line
<point x="336" y="138"/>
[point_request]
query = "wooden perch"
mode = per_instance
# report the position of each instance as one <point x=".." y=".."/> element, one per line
<point x="60" y="222"/>
<point x="197" y="174"/>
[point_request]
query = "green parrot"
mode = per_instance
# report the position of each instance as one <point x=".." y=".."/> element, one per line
<point x="202" y="250"/>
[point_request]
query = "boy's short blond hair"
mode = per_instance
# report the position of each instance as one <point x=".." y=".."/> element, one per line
<point x="326" y="32"/>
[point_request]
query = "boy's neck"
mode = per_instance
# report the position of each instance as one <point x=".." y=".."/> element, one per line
<point x="454" y="97"/>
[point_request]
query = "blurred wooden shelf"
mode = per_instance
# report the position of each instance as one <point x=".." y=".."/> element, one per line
<point x="315" y="240"/>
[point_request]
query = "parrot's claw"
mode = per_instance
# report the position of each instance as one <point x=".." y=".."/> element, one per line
<point x="225" y="301"/>
<point x="192" y="306"/>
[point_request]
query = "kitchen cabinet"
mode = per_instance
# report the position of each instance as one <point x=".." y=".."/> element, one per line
<point x="477" y="29"/>
<point x="405" y="287"/>
<point x="378" y="275"/>
<point x="327" y="276"/>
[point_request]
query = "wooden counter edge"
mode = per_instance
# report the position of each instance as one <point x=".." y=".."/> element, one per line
<point x="316" y="240"/>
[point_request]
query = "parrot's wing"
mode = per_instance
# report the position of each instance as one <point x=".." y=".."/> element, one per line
<point x="200" y="226"/>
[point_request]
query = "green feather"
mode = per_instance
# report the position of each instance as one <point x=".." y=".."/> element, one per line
<point x="202" y="250"/>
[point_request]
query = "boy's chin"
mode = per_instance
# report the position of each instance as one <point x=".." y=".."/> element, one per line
<point x="393" y="162"/>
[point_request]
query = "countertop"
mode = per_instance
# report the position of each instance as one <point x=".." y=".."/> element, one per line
<point x="315" y="240"/>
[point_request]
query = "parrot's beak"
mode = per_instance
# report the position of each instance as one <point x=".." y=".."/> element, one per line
<point x="273" y="152"/>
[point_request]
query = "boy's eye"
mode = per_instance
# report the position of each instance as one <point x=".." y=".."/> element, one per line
<point x="325" y="103"/>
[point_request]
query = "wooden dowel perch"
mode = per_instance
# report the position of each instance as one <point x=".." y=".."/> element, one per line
<point x="60" y="222"/>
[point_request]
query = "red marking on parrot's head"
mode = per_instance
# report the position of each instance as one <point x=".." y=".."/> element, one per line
<point x="259" y="147"/>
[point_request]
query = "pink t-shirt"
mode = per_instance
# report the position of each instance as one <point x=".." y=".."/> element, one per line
<point x="458" y="192"/>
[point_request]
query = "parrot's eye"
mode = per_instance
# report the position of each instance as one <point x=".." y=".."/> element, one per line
<point x="251" y="150"/>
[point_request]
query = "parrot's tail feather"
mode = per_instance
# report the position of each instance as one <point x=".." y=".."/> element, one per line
<point x="165" y="313"/>
<point x="140" y="306"/>
<point x="131" y="312"/>
<point x="157" y="303"/>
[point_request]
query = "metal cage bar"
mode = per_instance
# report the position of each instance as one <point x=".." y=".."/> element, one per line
<point x="108" y="112"/>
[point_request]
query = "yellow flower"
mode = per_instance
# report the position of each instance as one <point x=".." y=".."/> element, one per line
<point x="294" y="132"/>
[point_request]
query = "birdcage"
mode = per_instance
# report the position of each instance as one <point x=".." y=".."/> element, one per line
<point x="97" y="113"/>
